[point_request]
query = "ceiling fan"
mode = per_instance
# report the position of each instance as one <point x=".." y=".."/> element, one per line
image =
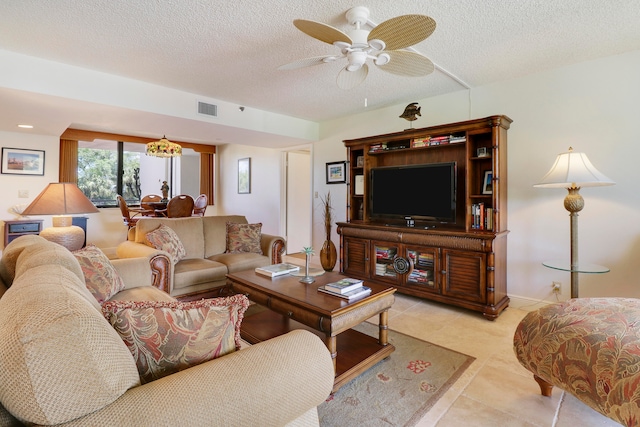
<point x="385" y="45"/>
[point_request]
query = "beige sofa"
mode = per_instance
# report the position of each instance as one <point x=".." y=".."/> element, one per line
<point x="206" y="264"/>
<point x="62" y="363"/>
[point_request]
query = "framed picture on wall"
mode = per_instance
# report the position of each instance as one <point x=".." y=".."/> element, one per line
<point x="244" y="176"/>
<point x="17" y="161"/>
<point x="487" y="183"/>
<point x="336" y="173"/>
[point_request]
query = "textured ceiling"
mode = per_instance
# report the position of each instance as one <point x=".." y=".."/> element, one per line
<point x="230" y="50"/>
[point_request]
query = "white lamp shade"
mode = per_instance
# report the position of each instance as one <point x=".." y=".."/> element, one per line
<point x="573" y="169"/>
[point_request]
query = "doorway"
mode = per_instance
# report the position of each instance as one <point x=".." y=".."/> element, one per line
<point x="298" y="200"/>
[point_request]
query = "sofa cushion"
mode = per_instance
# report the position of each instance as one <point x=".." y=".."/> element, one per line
<point x="60" y="359"/>
<point x="165" y="239"/>
<point x="167" y="337"/>
<point x="215" y="232"/>
<point x="45" y="253"/>
<point x="241" y="261"/>
<point x="243" y="238"/>
<point x="142" y="293"/>
<point x="101" y="278"/>
<point x="189" y="272"/>
<point x="11" y="253"/>
<point x="189" y="231"/>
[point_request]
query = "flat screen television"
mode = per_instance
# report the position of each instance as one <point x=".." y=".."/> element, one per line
<point x="425" y="192"/>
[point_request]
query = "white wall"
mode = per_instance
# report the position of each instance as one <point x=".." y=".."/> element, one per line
<point x="263" y="203"/>
<point x="590" y="106"/>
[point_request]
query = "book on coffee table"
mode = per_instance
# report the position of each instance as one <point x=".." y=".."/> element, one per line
<point x="344" y="285"/>
<point x="360" y="292"/>
<point x="276" y="270"/>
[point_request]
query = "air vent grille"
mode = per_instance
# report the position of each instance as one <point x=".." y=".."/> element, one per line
<point x="208" y="109"/>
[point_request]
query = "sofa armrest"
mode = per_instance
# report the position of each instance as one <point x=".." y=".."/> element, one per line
<point x="273" y="247"/>
<point x="159" y="262"/>
<point x="269" y="384"/>
<point x="134" y="272"/>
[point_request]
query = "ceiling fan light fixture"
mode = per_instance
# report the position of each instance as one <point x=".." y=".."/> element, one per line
<point x="356" y="60"/>
<point x="382" y="59"/>
<point x="377" y="44"/>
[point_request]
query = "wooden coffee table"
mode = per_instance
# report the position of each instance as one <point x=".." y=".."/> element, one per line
<point x="294" y="305"/>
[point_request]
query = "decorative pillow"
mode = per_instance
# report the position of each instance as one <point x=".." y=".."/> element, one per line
<point x="244" y="238"/>
<point x="100" y="276"/>
<point x="165" y="239"/>
<point x="167" y="337"/>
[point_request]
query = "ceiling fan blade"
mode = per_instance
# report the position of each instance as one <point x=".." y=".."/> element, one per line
<point x="403" y="31"/>
<point x="308" y="62"/>
<point x="406" y="63"/>
<point x="350" y="79"/>
<point x="323" y="32"/>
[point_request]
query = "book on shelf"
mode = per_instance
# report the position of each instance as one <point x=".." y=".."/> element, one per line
<point x="345" y="285"/>
<point x="276" y="270"/>
<point x="361" y="292"/>
<point x="482" y="217"/>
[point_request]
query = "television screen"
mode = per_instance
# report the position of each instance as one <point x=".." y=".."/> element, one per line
<point x="423" y="192"/>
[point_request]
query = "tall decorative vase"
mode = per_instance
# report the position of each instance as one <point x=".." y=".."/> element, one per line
<point x="328" y="255"/>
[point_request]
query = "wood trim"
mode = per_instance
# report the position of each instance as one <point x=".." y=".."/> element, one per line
<point x="68" y="165"/>
<point x="87" y="135"/>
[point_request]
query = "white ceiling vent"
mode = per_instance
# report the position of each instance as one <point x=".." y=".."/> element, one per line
<point x="207" y="109"/>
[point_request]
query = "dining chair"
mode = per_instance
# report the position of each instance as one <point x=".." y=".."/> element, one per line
<point x="145" y="203"/>
<point x="178" y="207"/>
<point x="128" y="219"/>
<point x="200" y="205"/>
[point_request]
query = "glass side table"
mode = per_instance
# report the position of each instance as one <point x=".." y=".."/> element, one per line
<point x="580" y="268"/>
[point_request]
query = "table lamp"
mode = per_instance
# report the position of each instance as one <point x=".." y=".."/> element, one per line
<point x="62" y="199"/>
<point x="572" y="171"/>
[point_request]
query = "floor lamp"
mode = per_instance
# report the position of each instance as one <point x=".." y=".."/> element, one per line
<point x="572" y="171"/>
<point x="62" y="199"/>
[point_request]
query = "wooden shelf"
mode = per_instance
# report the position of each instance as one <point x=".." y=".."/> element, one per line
<point x="469" y="260"/>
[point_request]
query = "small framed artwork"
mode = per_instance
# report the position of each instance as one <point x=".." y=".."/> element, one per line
<point x="244" y="176"/>
<point x="487" y="183"/>
<point x="17" y="161"/>
<point x="360" y="161"/>
<point x="336" y="173"/>
<point x="482" y="152"/>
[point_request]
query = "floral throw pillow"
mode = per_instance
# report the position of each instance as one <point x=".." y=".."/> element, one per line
<point x="165" y="239"/>
<point x="167" y="337"/>
<point x="244" y="238"/>
<point x="100" y="276"/>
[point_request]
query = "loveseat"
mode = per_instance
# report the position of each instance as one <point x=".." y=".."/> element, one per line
<point x="212" y="249"/>
<point x="62" y="362"/>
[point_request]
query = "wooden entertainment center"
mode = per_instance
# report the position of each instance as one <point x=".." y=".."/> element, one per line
<point x="461" y="262"/>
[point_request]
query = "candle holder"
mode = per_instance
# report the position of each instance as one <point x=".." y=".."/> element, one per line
<point x="308" y="251"/>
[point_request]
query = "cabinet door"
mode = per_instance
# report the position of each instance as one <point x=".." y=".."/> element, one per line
<point x="356" y="259"/>
<point x="464" y="275"/>
<point x="423" y="276"/>
<point x="383" y="269"/>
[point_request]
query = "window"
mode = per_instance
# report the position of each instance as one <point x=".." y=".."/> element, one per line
<point x="108" y="168"/>
<point x="104" y="166"/>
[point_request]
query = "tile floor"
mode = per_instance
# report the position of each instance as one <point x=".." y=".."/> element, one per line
<point x="495" y="390"/>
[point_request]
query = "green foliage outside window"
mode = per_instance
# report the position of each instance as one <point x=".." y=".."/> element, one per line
<point x="98" y="171"/>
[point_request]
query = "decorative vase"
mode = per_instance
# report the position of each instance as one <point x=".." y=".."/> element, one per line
<point x="328" y="255"/>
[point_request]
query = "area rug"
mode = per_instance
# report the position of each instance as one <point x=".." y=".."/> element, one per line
<point x="399" y="390"/>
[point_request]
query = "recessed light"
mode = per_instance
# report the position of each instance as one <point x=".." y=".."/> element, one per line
<point x="25" y="126"/>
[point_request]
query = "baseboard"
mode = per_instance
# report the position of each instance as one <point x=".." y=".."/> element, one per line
<point x="529" y="304"/>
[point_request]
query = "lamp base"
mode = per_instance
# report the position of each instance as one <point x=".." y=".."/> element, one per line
<point x="71" y="237"/>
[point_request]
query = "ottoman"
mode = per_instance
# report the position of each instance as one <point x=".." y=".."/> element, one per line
<point x="589" y="347"/>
